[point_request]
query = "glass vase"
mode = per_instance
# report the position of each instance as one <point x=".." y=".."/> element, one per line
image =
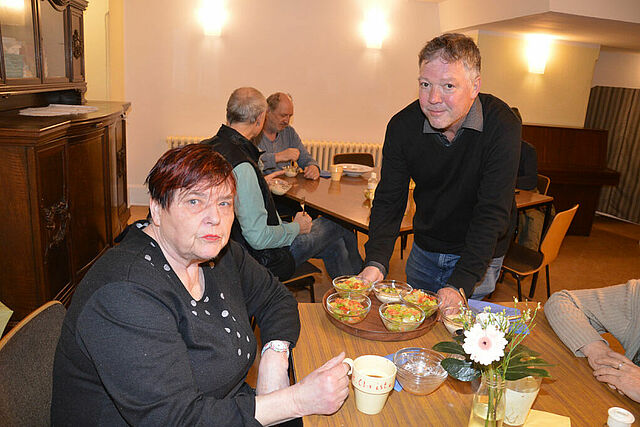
<point x="488" y="402"/>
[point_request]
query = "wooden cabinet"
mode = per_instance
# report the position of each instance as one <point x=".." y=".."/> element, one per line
<point x="64" y="200"/>
<point x="63" y="179"/>
<point x="42" y="46"/>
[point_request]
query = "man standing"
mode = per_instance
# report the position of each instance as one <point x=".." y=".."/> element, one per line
<point x="462" y="150"/>
<point x="280" y="142"/>
<point x="279" y="246"/>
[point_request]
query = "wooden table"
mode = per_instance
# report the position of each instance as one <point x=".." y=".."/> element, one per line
<point x="572" y="392"/>
<point x="344" y="201"/>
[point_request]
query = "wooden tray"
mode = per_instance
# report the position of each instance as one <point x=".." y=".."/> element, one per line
<point x="372" y="328"/>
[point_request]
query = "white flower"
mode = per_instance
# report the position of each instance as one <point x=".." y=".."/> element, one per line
<point x="484" y="345"/>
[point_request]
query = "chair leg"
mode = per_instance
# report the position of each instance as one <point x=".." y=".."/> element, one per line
<point x="312" y="292"/>
<point x="403" y="244"/>
<point x="532" y="290"/>
<point x="548" y="283"/>
<point x="501" y="276"/>
<point x="519" y="286"/>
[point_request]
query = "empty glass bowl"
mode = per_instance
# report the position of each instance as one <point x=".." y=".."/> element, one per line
<point x="390" y="290"/>
<point x="419" y="370"/>
<point x="348" y="307"/>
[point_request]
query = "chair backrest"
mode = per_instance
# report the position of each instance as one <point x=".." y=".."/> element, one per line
<point x="543" y="184"/>
<point x="357" y="158"/>
<point x="555" y="235"/>
<point x="26" y="361"/>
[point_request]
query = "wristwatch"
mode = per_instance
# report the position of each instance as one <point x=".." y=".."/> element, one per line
<point x="276" y="345"/>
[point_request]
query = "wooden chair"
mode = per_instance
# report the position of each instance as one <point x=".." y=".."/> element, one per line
<point x="521" y="261"/>
<point x="303" y="279"/>
<point x="543" y="184"/>
<point x="357" y="158"/>
<point x="26" y="358"/>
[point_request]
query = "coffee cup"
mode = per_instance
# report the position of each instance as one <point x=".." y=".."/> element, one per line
<point x="336" y="172"/>
<point x="372" y="377"/>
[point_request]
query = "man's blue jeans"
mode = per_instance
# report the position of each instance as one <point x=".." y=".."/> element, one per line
<point x="331" y="242"/>
<point x="431" y="271"/>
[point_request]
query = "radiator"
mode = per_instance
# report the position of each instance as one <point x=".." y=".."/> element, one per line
<point x="179" y="141"/>
<point x="322" y="151"/>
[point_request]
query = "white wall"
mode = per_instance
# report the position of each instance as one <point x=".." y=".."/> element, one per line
<point x="178" y="80"/>
<point x="618" y="69"/>
<point x="558" y="97"/>
<point x="95" y="50"/>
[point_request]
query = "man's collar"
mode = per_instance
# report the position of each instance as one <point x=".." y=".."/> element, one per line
<point x="473" y="120"/>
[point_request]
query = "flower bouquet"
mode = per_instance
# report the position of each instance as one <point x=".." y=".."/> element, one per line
<point x="491" y="348"/>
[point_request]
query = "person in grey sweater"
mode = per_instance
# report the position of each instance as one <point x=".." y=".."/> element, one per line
<point x="579" y="317"/>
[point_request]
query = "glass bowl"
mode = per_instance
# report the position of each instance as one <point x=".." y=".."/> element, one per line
<point x="348" y="307"/>
<point x="428" y="301"/>
<point x="279" y="186"/>
<point x="290" y="171"/>
<point x="352" y="284"/>
<point x="453" y="319"/>
<point x="419" y="370"/>
<point x="390" y="290"/>
<point x="401" y="317"/>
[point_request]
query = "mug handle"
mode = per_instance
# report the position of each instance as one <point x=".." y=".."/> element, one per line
<point x="348" y="362"/>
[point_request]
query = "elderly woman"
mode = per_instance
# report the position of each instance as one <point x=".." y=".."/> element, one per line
<point x="158" y="331"/>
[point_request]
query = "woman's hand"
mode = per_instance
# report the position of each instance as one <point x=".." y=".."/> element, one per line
<point x="324" y="390"/>
<point x="620" y="373"/>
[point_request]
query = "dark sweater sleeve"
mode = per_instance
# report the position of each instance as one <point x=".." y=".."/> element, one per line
<point x="275" y="308"/>
<point x="151" y="383"/>
<point x="390" y="200"/>
<point x="492" y="212"/>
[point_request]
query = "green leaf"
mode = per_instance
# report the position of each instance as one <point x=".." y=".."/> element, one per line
<point x="449" y="347"/>
<point x="534" y="361"/>
<point x="521" y="372"/>
<point x="521" y="348"/>
<point x="460" y="369"/>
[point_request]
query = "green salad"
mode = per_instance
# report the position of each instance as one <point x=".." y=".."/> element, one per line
<point x="347" y="310"/>
<point x="428" y="303"/>
<point x="354" y="284"/>
<point x="402" y="318"/>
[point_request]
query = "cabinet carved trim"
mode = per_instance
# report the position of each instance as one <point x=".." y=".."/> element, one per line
<point x="121" y="162"/>
<point x="56" y="220"/>
<point x="78" y="48"/>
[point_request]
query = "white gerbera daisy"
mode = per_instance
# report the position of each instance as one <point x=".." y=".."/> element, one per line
<point x="484" y="345"/>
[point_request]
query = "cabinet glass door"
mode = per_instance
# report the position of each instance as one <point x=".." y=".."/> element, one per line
<point x="18" y="42"/>
<point x="54" y="64"/>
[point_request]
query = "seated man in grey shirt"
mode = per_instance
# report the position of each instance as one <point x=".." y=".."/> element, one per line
<point x="280" y="142"/>
<point x="580" y="316"/>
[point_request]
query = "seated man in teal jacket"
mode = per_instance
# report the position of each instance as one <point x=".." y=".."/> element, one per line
<point x="281" y="247"/>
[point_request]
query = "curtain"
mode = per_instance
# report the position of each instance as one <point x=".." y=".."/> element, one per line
<point x="618" y="111"/>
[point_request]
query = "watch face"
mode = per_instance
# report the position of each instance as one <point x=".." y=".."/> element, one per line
<point x="279" y="346"/>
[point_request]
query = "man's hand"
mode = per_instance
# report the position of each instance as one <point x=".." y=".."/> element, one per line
<point x="324" y="390"/>
<point x="273" y="372"/>
<point x="312" y="172"/>
<point x="620" y="373"/>
<point x="595" y="351"/>
<point x="270" y="177"/>
<point x="288" y="155"/>
<point x="371" y="273"/>
<point x="304" y="221"/>
<point x="449" y="297"/>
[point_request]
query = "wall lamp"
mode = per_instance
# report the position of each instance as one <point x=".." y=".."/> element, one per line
<point x="538" y="48"/>
<point x="212" y="16"/>
<point x="374" y="28"/>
